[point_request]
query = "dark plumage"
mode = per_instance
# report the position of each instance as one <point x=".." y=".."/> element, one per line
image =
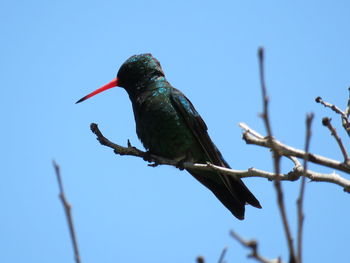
<point x="168" y="125"/>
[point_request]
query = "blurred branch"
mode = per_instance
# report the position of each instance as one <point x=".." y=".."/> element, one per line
<point x="251" y="172"/>
<point x="67" y="209"/>
<point x="222" y="255"/>
<point x="276" y="159"/>
<point x="253" y="246"/>
<point x="300" y="199"/>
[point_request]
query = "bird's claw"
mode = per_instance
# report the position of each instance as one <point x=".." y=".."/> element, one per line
<point x="181" y="164"/>
<point x="148" y="158"/>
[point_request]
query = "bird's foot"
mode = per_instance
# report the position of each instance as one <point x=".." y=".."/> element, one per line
<point x="148" y="158"/>
<point x="181" y="164"/>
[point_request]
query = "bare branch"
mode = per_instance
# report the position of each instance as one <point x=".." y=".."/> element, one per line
<point x="327" y="122"/>
<point x="294" y="160"/>
<point x="251" y="172"/>
<point x="329" y="105"/>
<point x="293" y="175"/>
<point x="300" y="199"/>
<point x="222" y="256"/>
<point x="343" y="114"/>
<point x="347" y="110"/>
<point x="247" y="130"/>
<point x="345" y="118"/>
<point x="249" y="135"/>
<point x="265" y="114"/>
<point x="253" y="246"/>
<point x="67" y="209"/>
<point x="130" y="150"/>
<point x="276" y="160"/>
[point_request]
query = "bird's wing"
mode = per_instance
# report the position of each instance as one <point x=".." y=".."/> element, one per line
<point x="238" y="194"/>
<point x="198" y="127"/>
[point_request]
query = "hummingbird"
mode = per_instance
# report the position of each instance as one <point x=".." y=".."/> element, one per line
<point x="168" y="125"/>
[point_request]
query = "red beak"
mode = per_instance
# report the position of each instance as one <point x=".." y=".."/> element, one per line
<point x="112" y="84"/>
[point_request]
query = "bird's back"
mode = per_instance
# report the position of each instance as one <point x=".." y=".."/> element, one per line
<point x="158" y="125"/>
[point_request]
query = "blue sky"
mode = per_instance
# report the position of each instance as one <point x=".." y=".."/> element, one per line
<point x="55" y="52"/>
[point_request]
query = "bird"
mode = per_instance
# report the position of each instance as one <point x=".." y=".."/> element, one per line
<point x="169" y="126"/>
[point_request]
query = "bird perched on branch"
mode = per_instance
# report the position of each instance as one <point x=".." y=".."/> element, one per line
<point x="169" y="126"/>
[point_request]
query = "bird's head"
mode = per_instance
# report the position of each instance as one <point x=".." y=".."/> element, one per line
<point x="133" y="75"/>
<point x="138" y="69"/>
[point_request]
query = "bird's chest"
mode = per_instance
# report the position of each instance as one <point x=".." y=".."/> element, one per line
<point x="161" y="129"/>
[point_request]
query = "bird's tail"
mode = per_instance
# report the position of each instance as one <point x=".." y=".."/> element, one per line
<point x="232" y="193"/>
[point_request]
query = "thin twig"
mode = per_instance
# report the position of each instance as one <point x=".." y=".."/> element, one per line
<point x="343" y="114"/>
<point x="347" y="110"/>
<point x="222" y="255"/>
<point x="327" y="122"/>
<point x="253" y="246"/>
<point x="300" y="199"/>
<point x="294" y="160"/>
<point x="345" y="118"/>
<point x="329" y="105"/>
<point x="249" y="135"/>
<point x="276" y="160"/>
<point x="67" y="209"/>
<point x="265" y="114"/>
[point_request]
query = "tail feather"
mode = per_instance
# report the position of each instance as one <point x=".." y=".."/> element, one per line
<point x="239" y="188"/>
<point x="235" y="198"/>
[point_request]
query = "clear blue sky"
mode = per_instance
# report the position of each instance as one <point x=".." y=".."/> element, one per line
<point x="54" y="52"/>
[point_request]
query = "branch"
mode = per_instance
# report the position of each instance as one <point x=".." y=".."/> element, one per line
<point x="300" y="199"/>
<point x="347" y="110"/>
<point x="222" y="256"/>
<point x="276" y="159"/>
<point x="327" y="122"/>
<point x="67" y="209"/>
<point x="130" y="150"/>
<point x="329" y="105"/>
<point x="250" y="137"/>
<point x="253" y="246"/>
<point x="251" y="172"/>
<point x="343" y="114"/>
